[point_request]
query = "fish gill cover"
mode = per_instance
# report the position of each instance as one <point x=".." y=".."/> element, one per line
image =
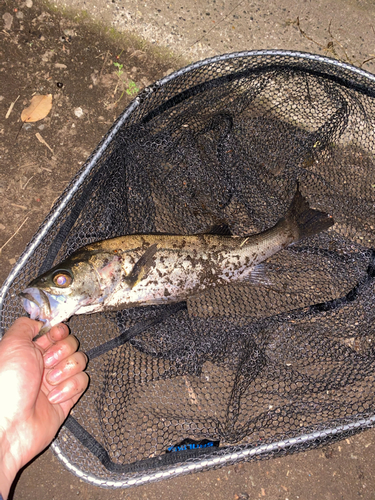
<point x="254" y="369"/>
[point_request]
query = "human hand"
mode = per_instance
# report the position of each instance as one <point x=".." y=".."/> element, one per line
<point x="39" y="384"/>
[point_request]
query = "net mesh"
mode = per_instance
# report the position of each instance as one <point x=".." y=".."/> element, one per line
<point x="238" y="366"/>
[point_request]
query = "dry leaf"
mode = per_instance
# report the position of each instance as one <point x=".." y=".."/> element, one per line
<point x="39" y="108"/>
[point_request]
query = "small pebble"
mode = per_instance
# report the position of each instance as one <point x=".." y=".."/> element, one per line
<point x="29" y="3"/>
<point x="168" y="72"/>
<point x="48" y="56"/>
<point x="8" y="20"/>
<point x="19" y="15"/>
<point x="78" y="112"/>
<point x="12" y="261"/>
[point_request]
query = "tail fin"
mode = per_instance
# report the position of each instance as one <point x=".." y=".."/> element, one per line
<point x="305" y="221"/>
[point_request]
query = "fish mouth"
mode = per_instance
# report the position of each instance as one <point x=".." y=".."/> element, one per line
<point x="36" y="303"/>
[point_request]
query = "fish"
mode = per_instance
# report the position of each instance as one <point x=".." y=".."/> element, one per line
<point x="147" y="269"/>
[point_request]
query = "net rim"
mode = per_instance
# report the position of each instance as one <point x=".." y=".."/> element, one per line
<point x="204" y="463"/>
<point x="268" y="52"/>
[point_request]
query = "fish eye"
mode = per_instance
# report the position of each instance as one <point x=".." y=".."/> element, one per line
<point x="62" y="279"/>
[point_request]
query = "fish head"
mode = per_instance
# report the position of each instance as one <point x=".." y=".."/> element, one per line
<point x="84" y="279"/>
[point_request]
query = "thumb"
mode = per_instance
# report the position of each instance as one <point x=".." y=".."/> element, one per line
<point x="23" y="330"/>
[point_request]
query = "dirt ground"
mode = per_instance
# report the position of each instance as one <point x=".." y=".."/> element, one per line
<point x="93" y="72"/>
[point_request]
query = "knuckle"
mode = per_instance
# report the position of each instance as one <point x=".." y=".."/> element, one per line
<point x="85" y="359"/>
<point x="75" y="385"/>
<point x="74" y="342"/>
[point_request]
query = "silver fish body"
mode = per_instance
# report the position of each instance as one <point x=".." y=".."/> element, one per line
<point x="139" y="270"/>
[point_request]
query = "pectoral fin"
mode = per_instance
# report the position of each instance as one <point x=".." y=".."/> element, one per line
<point x="142" y="266"/>
<point x="259" y="276"/>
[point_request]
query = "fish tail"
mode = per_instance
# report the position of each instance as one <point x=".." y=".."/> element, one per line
<point x="305" y="221"/>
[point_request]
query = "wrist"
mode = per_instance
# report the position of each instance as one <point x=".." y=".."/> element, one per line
<point x="8" y="467"/>
<point x="5" y="485"/>
<point x="6" y="480"/>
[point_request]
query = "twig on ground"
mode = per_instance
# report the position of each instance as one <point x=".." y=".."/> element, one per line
<point x="40" y="139"/>
<point x="23" y="187"/>
<point x="11" y="107"/>
<point x="105" y="60"/>
<point x="19" y="206"/>
<point x="13" y="235"/>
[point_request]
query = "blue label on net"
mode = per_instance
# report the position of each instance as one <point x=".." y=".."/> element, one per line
<point x="189" y="444"/>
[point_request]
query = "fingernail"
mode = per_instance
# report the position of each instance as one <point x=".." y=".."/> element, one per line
<point x="51" y="359"/>
<point x="48" y="360"/>
<point x="54" y="375"/>
<point x="56" y="396"/>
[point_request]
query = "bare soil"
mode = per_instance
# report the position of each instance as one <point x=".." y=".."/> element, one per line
<point x="93" y="74"/>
